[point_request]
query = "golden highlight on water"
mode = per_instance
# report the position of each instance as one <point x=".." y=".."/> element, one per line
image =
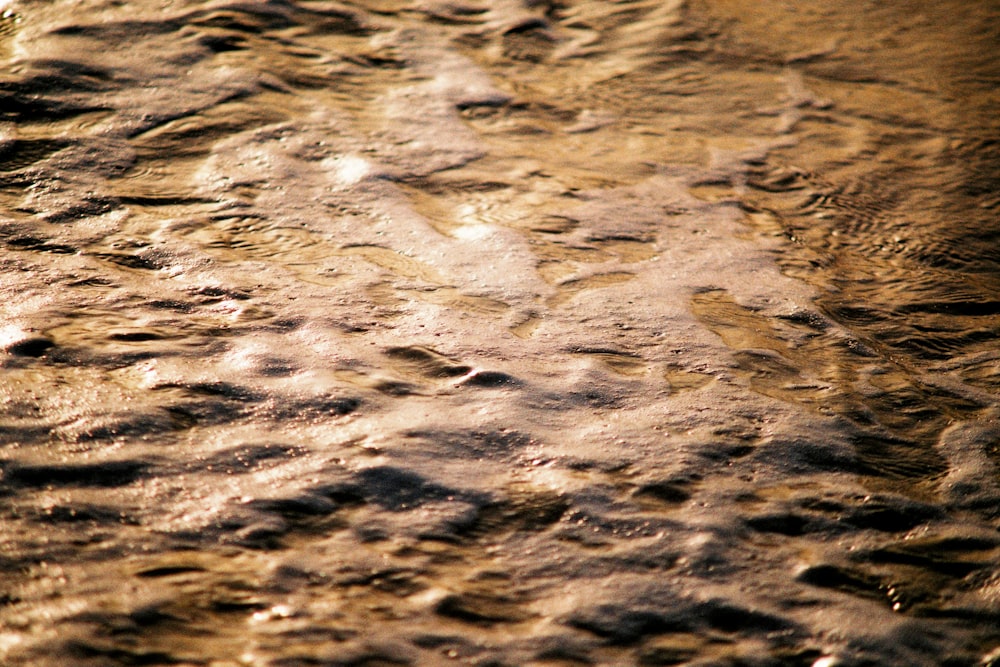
<point x="499" y="333"/>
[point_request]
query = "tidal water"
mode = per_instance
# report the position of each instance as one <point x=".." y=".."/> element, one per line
<point x="499" y="333"/>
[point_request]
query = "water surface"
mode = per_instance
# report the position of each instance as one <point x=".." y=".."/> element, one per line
<point x="508" y="333"/>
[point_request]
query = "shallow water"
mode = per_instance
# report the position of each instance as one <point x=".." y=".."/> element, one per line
<point x="510" y="333"/>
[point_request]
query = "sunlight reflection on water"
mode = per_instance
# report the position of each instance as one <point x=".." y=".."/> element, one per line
<point x="600" y="333"/>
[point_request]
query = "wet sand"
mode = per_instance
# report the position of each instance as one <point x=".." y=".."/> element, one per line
<point x="510" y="333"/>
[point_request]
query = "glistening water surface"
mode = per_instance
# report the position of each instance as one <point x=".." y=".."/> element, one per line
<point x="499" y="333"/>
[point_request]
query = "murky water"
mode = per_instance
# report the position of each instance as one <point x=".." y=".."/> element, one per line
<point x="504" y="333"/>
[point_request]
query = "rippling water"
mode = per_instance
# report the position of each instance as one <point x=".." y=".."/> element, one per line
<point x="499" y="333"/>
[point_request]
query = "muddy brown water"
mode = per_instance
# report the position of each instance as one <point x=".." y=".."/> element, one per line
<point x="499" y="333"/>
